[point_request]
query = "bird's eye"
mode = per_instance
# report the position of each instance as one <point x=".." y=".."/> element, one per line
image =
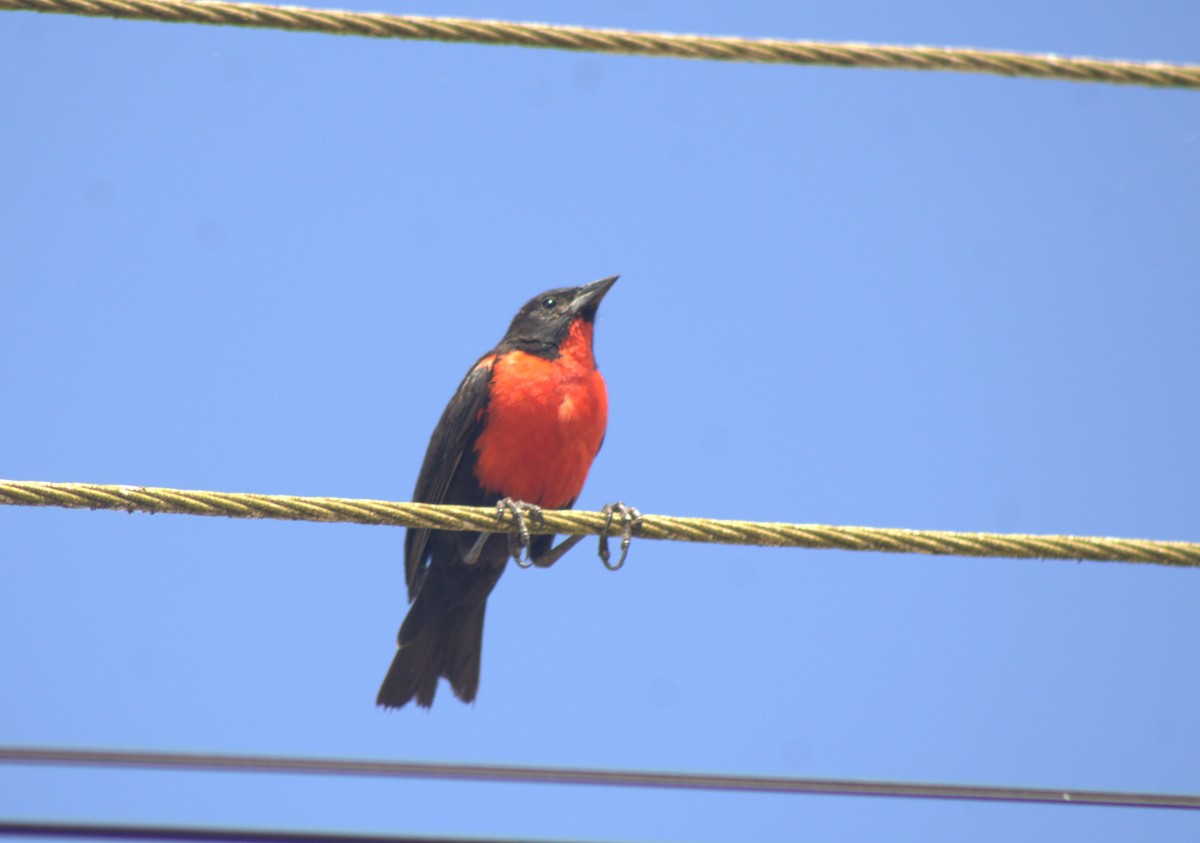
<point x="549" y="302"/>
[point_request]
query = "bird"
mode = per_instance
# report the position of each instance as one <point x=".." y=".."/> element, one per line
<point x="520" y="433"/>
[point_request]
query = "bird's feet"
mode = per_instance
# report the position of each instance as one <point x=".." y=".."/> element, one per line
<point x="519" y="543"/>
<point x="631" y="521"/>
<point x="522" y="512"/>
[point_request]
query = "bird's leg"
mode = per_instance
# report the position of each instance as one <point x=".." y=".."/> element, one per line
<point x="473" y="554"/>
<point x="519" y="543"/>
<point x="631" y="520"/>
<point x="519" y="509"/>
<point x="555" y="553"/>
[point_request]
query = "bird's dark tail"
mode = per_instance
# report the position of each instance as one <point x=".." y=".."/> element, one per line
<point x="431" y="645"/>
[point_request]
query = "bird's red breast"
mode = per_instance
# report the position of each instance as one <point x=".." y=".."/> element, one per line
<point x="544" y="422"/>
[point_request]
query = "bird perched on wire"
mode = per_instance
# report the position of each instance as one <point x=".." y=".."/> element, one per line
<point x="520" y="433"/>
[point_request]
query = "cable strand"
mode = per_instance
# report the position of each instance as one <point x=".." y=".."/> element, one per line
<point x="127" y="831"/>
<point x="612" y="41"/>
<point x="581" y="523"/>
<point x="590" y="777"/>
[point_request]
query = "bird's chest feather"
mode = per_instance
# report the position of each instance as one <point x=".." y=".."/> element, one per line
<point x="544" y="424"/>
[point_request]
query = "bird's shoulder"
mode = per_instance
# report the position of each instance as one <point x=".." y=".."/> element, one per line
<point x="446" y="471"/>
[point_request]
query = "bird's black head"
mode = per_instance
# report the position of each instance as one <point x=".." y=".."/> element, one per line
<point x="542" y="324"/>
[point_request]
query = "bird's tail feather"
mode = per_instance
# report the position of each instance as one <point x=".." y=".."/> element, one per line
<point x="447" y="645"/>
<point x="462" y="649"/>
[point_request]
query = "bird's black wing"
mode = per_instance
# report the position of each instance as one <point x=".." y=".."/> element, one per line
<point x="450" y="453"/>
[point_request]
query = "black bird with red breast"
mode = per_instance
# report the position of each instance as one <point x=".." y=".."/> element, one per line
<point x="522" y="429"/>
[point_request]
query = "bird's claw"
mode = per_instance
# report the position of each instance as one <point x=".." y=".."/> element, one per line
<point x="519" y="544"/>
<point x="631" y="521"/>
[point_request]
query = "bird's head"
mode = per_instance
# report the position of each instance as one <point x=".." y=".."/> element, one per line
<point x="541" y="326"/>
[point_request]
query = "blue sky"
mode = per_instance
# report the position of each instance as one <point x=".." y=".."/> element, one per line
<point x="260" y="261"/>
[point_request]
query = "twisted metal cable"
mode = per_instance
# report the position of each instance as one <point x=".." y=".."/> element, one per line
<point x="572" y="775"/>
<point x="572" y="522"/>
<point x="207" y="834"/>
<point x="717" y="48"/>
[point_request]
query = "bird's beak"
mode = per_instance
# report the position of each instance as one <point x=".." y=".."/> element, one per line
<point x="587" y="297"/>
